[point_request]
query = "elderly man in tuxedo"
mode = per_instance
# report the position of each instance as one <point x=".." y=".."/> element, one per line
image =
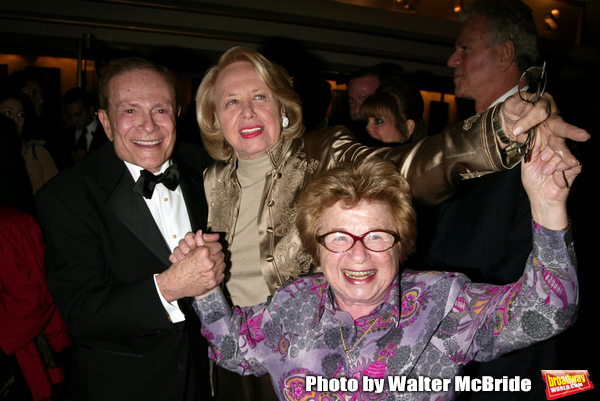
<point x="110" y="223"/>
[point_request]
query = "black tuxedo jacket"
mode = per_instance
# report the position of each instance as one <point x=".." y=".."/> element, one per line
<point x="102" y="250"/>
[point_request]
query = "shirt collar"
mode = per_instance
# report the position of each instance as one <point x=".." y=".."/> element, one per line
<point x="388" y="312"/>
<point x="91" y="128"/>
<point x="505" y="96"/>
<point x="275" y="153"/>
<point x="137" y="170"/>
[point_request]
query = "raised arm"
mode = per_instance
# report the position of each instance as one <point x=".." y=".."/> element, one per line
<point x="519" y="116"/>
<point x="548" y="192"/>
<point x="488" y="320"/>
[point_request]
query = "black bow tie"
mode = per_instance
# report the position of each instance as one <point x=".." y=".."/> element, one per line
<point x="147" y="181"/>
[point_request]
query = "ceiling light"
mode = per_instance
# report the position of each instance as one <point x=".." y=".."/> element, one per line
<point x="551" y="19"/>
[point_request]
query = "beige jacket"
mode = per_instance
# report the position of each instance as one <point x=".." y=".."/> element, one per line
<point x="38" y="163"/>
<point x="433" y="168"/>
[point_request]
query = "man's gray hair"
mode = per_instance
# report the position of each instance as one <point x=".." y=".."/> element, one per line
<point x="508" y="20"/>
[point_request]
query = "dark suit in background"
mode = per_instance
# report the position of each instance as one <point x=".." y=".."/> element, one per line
<point x="98" y="138"/>
<point x="481" y="231"/>
<point x="64" y="147"/>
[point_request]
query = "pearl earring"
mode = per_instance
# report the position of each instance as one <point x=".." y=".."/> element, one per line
<point x="285" y="122"/>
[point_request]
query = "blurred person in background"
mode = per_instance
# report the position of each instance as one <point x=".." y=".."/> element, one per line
<point x="394" y="113"/>
<point x="84" y="133"/>
<point x="39" y="163"/>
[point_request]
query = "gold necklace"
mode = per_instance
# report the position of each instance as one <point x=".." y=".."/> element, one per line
<point x="348" y="351"/>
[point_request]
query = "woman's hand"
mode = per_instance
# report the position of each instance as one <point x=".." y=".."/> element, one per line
<point x="548" y="198"/>
<point x="519" y="116"/>
<point x="200" y="271"/>
<point x="189" y="242"/>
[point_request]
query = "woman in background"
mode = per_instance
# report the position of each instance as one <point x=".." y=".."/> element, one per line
<point x="394" y="113"/>
<point x="38" y="162"/>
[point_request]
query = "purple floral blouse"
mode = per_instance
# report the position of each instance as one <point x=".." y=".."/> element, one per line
<point x="430" y="324"/>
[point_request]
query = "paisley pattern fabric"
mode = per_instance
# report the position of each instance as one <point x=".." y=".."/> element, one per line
<point x="433" y="168"/>
<point x="430" y="324"/>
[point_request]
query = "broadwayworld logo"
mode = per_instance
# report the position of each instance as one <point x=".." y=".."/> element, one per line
<point x="560" y="383"/>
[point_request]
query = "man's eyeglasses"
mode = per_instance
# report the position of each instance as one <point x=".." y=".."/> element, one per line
<point x="341" y="241"/>
<point x="533" y="81"/>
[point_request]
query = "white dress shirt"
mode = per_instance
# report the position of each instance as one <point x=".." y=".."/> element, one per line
<point x="506" y="95"/>
<point x="170" y="214"/>
<point x="91" y="128"/>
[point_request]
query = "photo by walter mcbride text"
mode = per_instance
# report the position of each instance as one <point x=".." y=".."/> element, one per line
<point x="421" y="384"/>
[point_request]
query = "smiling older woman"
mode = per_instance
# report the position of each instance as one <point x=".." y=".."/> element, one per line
<point x="362" y="318"/>
<point x="251" y="123"/>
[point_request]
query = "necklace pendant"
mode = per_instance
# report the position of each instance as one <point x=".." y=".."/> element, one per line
<point x="348" y="356"/>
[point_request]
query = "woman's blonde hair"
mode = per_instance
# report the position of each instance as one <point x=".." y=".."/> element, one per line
<point x="274" y="76"/>
<point x="374" y="180"/>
